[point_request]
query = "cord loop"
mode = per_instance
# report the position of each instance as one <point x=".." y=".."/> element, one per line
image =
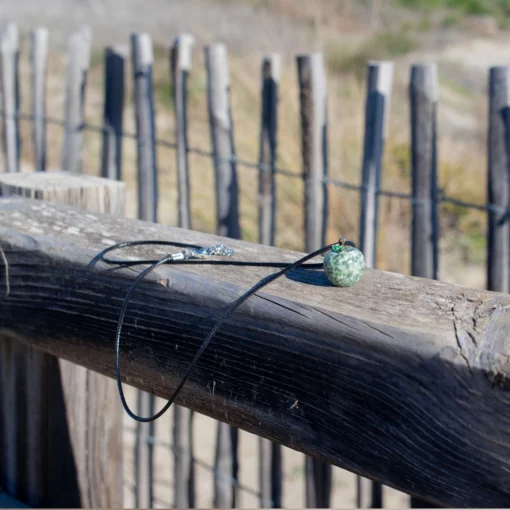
<point x="192" y="251"/>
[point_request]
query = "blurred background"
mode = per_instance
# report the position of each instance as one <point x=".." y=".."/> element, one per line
<point x="464" y="37"/>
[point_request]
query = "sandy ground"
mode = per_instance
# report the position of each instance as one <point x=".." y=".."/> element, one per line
<point x="344" y="482"/>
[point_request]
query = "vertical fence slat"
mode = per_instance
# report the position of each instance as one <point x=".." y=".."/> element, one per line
<point x="220" y="119"/>
<point x="78" y="61"/>
<point x="379" y="82"/>
<point x="114" y="87"/>
<point x="142" y="61"/>
<point x="313" y="111"/>
<point x="225" y="467"/>
<point x="142" y="58"/>
<point x="39" y="63"/>
<point x="227" y="215"/>
<point x="180" y="67"/>
<point x="9" y="53"/>
<point x="184" y="473"/>
<point x="369" y="494"/>
<point x="270" y="465"/>
<point x="498" y="235"/>
<point x="267" y="152"/>
<point x="424" y="95"/>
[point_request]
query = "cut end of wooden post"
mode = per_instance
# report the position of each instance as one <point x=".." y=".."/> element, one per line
<point x="39" y="39"/>
<point x="216" y="54"/>
<point x="83" y="191"/>
<point x="383" y="76"/>
<point x="79" y="48"/>
<point x="10" y="38"/>
<point x="145" y="45"/>
<point x="424" y="80"/>
<point x="499" y="79"/>
<point x="272" y="62"/>
<point x="184" y="47"/>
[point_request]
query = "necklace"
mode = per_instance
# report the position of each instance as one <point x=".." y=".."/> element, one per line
<point x="343" y="265"/>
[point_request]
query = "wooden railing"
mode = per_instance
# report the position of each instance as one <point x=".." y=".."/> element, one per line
<point x="403" y="380"/>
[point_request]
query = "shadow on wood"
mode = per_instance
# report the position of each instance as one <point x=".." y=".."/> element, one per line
<point x="402" y="380"/>
<point x="37" y="462"/>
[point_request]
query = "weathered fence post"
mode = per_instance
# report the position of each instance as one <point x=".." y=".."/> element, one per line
<point x="424" y="95"/>
<point x="78" y="61"/>
<point x="61" y="424"/>
<point x="379" y="82"/>
<point x="267" y="151"/>
<point x="498" y="235"/>
<point x="39" y="62"/>
<point x="111" y="159"/>
<point x="313" y="109"/>
<point x="9" y="53"/>
<point x="270" y="457"/>
<point x="227" y="214"/>
<point x="142" y="59"/>
<point x="180" y="67"/>
<point x="220" y="119"/>
<point x="377" y="103"/>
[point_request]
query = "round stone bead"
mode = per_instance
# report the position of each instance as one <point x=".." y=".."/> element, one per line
<point x="344" y="265"/>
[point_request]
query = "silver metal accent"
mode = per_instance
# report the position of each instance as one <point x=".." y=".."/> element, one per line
<point x="204" y="253"/>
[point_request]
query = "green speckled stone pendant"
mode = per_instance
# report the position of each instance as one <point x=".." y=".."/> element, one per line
<point x="344" y="264"/>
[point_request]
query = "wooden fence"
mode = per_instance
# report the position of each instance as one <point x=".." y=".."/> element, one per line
<point x="433" y="473"/>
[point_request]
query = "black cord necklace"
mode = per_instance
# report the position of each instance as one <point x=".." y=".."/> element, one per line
<point x="193" y="254"/>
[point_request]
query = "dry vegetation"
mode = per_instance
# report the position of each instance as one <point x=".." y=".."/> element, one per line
<point x="348" y="33"/>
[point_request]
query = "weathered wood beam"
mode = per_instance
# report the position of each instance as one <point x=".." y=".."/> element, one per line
<point x="60" y="439"/>
<point x="399" y="379"/>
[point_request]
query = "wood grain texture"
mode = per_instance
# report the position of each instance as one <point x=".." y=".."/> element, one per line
<point x="314" y="149"/>
<point x="222" y="139"/>
<point x="227" y="224"/>
<point x="424" y="96"/>
<point x="377" y="105"/>
<point x="180" y="67"/>
<point x="313" y="110"/>
<point x="78" y="61"/>
<point x="270" y="465"/>
<point x="142" y="59"/>
<point x="10" y="95"/>
<point x="399" y="379"/>
<point x="271" y="68"/>
<point x="498" y="180"/>
<point x="63" y="442"/>
<point x="38" y="67"/>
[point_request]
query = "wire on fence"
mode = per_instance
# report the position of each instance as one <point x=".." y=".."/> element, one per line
<point x="205" y="465"/>
<point x="442" y="197"/>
